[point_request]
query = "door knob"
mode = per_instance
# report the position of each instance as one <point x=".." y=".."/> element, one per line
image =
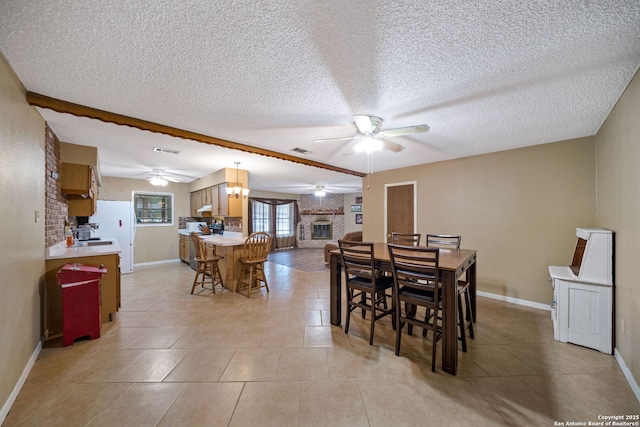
<point x="388" y="236"/>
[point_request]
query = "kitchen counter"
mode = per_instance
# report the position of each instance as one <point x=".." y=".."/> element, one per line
<point x="228" y="238"/>
<point x="61" y="250"/>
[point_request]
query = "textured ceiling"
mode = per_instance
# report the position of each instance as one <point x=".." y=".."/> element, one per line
<point x="484" y="75"/>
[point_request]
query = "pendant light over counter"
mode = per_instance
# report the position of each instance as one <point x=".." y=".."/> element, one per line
<point x="237" y="191"/>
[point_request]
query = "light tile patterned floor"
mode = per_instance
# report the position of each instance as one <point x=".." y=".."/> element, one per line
<point x="175" y="359"/>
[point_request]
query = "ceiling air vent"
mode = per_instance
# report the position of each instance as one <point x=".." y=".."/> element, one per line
<point x="164" y="150"/>
<point x="301" y="150"/>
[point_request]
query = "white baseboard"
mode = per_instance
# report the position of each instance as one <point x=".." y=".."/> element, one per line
<point x="627" y="373"/>
<point x="518" y="301"/>
<point x="16" y="389"/>
<point x="165" y="261"/>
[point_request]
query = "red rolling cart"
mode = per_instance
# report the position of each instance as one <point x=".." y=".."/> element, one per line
<point x="81" y="301"/>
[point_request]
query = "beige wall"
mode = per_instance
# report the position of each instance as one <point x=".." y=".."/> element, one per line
<point x="22" y="172"/>
<point x="350" y="217"/>
<point x="518" y="208"/>
<point x="152" y="243"/>
<point x="618" y="194"/>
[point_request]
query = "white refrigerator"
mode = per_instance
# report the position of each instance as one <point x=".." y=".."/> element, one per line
<point x="116" y="219"/>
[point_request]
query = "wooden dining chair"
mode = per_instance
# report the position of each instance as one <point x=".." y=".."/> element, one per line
<point x="415" y="272"/>
<point x="465" y="314"/>
<point x="255" y="251"/>
<point x="365" y="285"/>
<point x="405" y="239"/>
<point x="207" y="265"/>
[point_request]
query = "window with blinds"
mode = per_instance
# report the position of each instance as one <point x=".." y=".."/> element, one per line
<point x="153" y="208"/>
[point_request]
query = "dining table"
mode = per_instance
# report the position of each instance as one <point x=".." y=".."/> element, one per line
<point x="453" y="264"/>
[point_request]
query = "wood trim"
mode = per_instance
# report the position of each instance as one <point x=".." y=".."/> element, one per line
<point x="61" y="106"/>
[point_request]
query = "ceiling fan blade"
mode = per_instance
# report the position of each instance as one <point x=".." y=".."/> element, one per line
<point x="350" y="151"/>
<point x="391" y="146"/>
<point x="409" y="130"/>
<point x="343" y="138"/>
<point x="168" y="178"/>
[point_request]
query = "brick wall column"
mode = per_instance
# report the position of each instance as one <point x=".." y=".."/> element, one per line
<point x="56" y="203"/>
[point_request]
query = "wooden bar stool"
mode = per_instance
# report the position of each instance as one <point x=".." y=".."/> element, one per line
<point x="208" y="271"/>
<point x="256" y="249"/>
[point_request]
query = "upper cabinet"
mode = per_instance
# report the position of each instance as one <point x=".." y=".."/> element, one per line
<point x="216" y="197"/>
<point x="196" y="203"/>
<point x="79" y="183"/>
<point x="229" y="206"/>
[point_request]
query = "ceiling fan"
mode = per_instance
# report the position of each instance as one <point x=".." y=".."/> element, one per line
<point x="371" y="137"/>
<point x="160" y="178"/>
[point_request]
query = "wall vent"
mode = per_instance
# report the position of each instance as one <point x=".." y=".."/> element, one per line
<point x="301" y="150"/>
<point x="164" y="150"/>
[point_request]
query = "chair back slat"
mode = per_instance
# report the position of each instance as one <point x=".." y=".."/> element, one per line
<point x="444" y="241"/>
<point x="405" y="239"/>
<point x="416" y="267"/>
<point x="357" y="259"/>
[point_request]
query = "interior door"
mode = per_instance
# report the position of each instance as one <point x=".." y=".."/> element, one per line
<point x="400" y="208"/>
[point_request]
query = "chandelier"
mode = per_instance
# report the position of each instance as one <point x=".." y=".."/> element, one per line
<point x="237" y="190"/>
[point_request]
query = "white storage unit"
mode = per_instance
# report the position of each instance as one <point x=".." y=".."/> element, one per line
<point x="582" y="309"/>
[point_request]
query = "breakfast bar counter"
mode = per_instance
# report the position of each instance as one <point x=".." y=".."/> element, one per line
<point x="230" y="245"/>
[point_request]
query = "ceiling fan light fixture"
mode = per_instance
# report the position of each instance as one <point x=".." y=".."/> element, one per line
<point x="320" y="191"/>
<point x="368" y="144"/>
<point x="158" y="181"/>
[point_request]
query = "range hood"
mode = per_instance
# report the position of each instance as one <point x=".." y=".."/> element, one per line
<point x="205" y="208"/>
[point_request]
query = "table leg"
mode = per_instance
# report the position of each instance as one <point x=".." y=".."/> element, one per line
<point x="335" y="290"/>
<point x="450" y="323"/>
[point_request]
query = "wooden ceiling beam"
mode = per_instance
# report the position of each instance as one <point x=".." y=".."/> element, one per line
<point x="61" y="106"/>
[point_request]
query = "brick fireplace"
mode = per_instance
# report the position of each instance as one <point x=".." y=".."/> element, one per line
<point x="322" y="219"/>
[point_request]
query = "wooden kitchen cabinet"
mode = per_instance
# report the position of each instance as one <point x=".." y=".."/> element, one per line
<point x="183" y="247"/>
<point x="196" y="203"/>
<point x="79" y="183"/>
<point x="206" y="196"/>
<point x="229" y="206"/>
<point x="215" y="202"/>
